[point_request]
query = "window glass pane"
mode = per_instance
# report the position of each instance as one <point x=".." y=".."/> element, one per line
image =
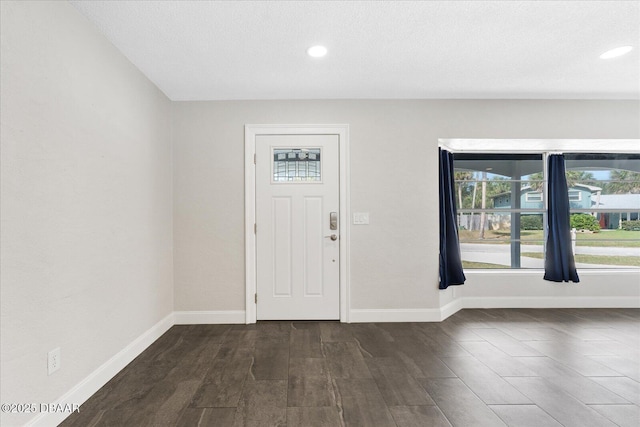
<point x="608" y="248"/>
<point x="499" y="227"/>
<point x="500" y="199"/>
<point x="603" y="174"/>
<point x="507" y="240"/>
<point x="296" y="164"/>
<point x="604" y="195"/>
<point x="496" y="229"/>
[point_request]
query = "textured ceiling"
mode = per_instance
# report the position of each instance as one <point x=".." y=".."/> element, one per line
<point x="206" y="50"/>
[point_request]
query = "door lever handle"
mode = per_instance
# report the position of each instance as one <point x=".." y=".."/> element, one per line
<point x="332" y="237"/>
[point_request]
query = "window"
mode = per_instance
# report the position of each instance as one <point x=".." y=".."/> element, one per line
<point x="606" y="210"/>
<point x="500" y="209"/>
<point x="503" y="224"/>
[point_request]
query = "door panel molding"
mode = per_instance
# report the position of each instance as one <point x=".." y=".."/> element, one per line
<point x="251" y="132"/>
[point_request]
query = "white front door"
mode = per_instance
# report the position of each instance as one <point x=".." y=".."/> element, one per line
<point x="298" y="230"/>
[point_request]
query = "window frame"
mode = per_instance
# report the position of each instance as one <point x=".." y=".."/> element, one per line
<point x="545" y="147"/>
<point x="515" y="210"/>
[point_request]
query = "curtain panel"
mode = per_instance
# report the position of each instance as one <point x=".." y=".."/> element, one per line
<point x="559" y="264"/>
<point x="450" y="260"/>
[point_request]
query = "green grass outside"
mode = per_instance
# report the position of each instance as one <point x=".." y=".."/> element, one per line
<point x="605" y="238"/>
<point x="624" y="239"/>
<point x="633" y="261"/>
<point x="498" y="236"/>
<point x="471" y="264"/>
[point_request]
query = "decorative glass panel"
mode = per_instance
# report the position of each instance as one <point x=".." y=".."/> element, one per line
<point x="296" y="165"/>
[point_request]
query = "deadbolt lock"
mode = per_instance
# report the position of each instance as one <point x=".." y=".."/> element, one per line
<point x="333" y="221"/>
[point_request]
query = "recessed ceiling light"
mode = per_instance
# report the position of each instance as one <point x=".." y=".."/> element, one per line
<point x="619" y="51"/>
<point x="317" y="51"/>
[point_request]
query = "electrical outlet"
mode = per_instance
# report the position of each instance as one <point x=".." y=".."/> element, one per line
<point x="53" y="360"/>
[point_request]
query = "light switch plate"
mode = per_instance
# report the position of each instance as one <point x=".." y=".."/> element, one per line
<point x="361" y="218"/>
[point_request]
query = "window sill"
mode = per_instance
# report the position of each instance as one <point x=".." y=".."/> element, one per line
<point x="539" y="271"/>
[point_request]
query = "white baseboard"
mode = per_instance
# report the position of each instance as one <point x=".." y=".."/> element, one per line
<point x="438" y="315"/>
<point x="550" y="302"/>
<point x="98" y="378"/>
<point x="209" y="317"/>
<point x="407" y="314"/>
<point x="396" y="315"/>
<point x="450" y="309"/>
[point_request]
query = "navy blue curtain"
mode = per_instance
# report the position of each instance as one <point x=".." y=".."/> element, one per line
<point x="559" y="265"/>
<point x="450" y="260"/>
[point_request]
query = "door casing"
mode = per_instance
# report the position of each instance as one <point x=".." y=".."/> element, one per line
<point x="250" y="133"/>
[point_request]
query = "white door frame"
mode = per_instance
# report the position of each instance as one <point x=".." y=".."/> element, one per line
<point x="250" y="133"/>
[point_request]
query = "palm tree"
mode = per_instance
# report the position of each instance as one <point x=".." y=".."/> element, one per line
<point x="461" y="179"/>
<point x="473" y="202"/>
<point x="623" y="182"/>
<point x="573" y="177"/>
<point x="579" y="177"/>
<point x="536" y="181"/>
<point x="483" y="214"/>
<point x="497" y="185"/>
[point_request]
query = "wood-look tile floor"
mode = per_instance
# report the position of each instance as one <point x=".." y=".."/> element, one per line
<point x="515" y="367"/>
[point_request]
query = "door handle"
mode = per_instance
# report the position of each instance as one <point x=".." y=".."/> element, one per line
<point x="332" y="237"/>
<point x="333" y="221"/>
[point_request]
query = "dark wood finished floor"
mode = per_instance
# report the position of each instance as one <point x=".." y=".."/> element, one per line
<point x="515" y="367"/>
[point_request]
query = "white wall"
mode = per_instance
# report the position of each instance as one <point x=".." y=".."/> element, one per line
<point x="86" y="212"/>
<point x="527" y="289"/>
<point x="394" y="260"/>
<point x="86" y="201"/>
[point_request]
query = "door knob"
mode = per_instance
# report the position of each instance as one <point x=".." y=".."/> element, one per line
<point x="332" y="237"/>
